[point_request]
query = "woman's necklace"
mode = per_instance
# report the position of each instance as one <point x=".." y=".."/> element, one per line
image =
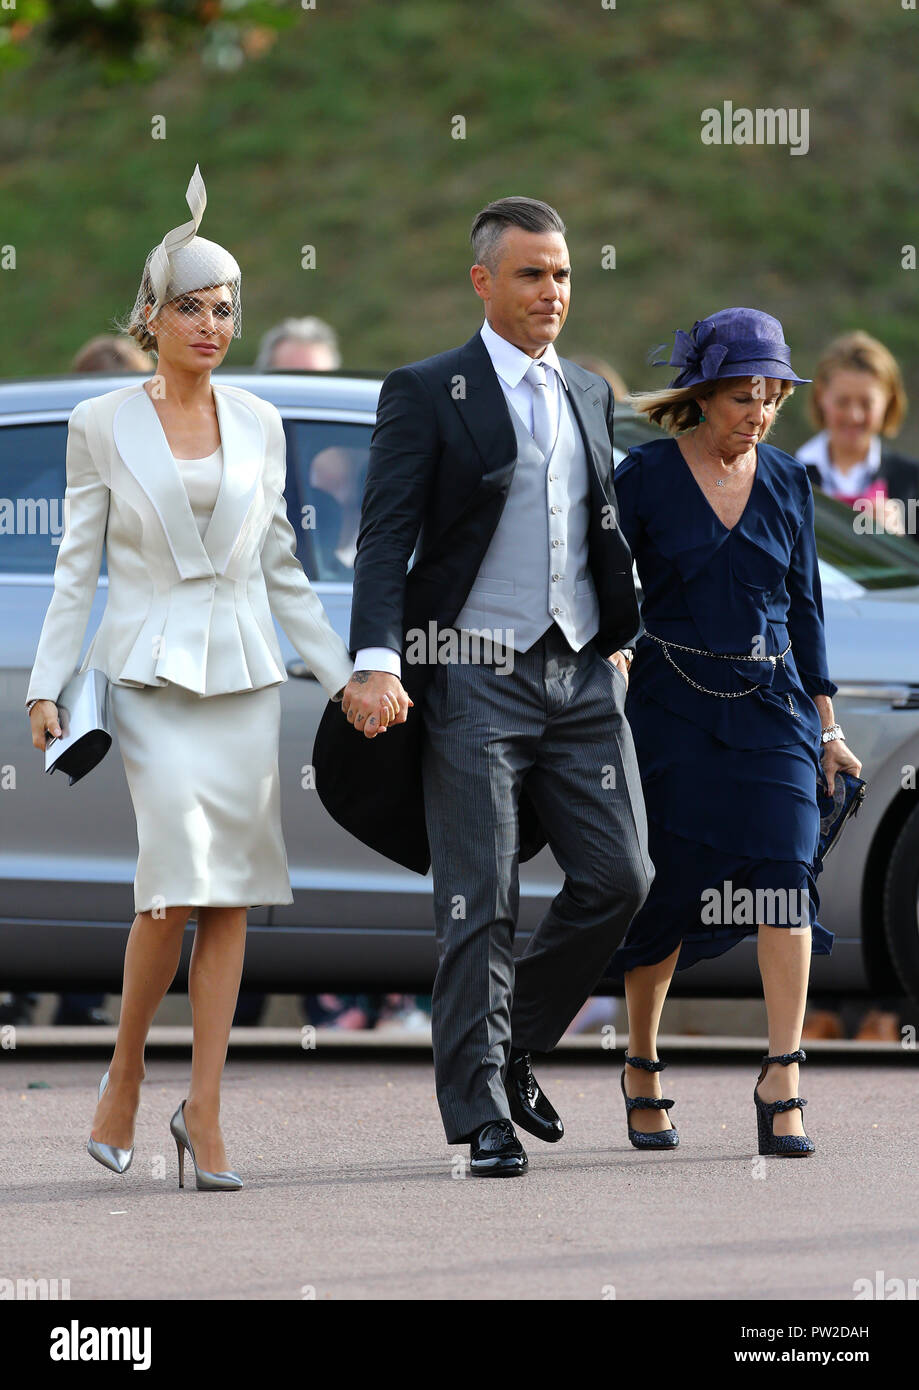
<point x="732" y="469"/>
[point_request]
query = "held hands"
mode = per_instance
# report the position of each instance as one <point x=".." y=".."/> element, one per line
<point x="836" y="757"/>
<point x="43" y="717"/>
<point x="373" y="700"/>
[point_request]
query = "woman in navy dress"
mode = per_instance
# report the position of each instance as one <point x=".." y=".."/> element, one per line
<point x="730" y="705"/>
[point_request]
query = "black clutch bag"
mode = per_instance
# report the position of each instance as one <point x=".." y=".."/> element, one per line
<point x="848" y="795"/>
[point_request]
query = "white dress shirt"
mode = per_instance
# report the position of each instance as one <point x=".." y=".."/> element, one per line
<point x="832" y="480"/>
<point x="511" y="364"/>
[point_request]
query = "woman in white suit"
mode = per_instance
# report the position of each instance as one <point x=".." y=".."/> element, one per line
<point x="183" y="480"/>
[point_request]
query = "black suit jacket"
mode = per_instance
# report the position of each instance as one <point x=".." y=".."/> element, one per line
<point x="442" y="459"/>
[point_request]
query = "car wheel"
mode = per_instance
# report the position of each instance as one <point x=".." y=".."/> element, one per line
<point x="901" y="905"/>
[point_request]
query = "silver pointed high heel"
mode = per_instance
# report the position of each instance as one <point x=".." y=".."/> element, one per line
<point x="204" y="1181"/>
<point x="118" y="1160"/>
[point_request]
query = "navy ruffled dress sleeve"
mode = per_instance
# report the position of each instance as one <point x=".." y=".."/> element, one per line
<point x="805" y="611"/>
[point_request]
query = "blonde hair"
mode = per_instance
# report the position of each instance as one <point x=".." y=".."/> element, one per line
<point x="676" y="410"/>
<point x="859" y="352"/>
<point x="133" y="324"/>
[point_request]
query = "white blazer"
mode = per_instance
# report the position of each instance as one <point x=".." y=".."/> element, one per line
<point x="182" y="608"/>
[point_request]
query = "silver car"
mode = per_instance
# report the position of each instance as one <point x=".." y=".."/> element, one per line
<point x="67" y="855"/>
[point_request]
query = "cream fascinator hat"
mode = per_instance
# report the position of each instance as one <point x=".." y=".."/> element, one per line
<point x="182" y="264"/>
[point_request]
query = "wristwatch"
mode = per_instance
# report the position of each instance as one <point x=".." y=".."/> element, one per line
<point x="831" y="734"/>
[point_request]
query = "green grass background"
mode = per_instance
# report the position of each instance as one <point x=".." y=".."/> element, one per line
<point x="339" y="136"/>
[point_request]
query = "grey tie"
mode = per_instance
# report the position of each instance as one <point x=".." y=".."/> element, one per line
<point x="543" y="433"/>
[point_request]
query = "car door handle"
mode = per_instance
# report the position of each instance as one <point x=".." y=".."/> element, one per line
<point x="300" y="670"/>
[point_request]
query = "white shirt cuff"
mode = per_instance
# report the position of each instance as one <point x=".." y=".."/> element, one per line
<point x="379" y="659"/>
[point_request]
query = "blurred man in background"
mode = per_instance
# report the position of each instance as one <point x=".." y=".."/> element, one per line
<point x="299" y="345"/>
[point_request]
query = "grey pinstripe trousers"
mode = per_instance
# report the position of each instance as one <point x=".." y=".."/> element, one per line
<point x="557" y="720"/>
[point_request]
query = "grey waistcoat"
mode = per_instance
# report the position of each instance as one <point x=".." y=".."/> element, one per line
<point x="535" y="570"/>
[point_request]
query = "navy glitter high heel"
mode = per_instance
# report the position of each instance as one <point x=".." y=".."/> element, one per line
<point x="785" y="1145"/>
<point x="662" y="1139"/>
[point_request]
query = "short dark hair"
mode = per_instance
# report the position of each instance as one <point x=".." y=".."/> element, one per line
<point x="491" y="223"/>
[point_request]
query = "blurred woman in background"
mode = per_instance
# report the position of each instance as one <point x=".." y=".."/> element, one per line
<point x="857" y="399"/>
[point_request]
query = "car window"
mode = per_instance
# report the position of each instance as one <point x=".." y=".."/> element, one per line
<point x="875" y="561"/>
<point x="32" y="475"/>
<point x="326" y="471"/>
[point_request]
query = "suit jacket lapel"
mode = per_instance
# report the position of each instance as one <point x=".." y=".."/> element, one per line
<point x="142" y="445"/>
<point x="483" y="407"/>
<point x="591" y="417"/>
<point x="243" y="459"/>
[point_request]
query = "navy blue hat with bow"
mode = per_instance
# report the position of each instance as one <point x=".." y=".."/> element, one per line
<point x="733" y="342"/>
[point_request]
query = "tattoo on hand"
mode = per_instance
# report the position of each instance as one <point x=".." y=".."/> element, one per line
<point x="361" y="677"/>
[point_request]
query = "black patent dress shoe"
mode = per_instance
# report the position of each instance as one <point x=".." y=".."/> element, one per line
<point x="496" y="1152"/>
<point x="530" y="1107"/>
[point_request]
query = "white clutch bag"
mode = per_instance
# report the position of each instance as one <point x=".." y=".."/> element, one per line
<point x="83" y="713"/>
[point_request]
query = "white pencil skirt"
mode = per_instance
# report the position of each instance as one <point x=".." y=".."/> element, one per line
<point x="203" y="777"/>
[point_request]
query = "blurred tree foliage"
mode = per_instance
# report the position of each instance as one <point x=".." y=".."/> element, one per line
<point x="341" y="137"/>
<point x="130" y="37"/>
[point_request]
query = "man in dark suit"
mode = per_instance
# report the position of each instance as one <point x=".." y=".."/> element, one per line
<point x="492" y="463"/>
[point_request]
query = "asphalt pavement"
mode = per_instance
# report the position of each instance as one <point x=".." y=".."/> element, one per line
<point x="351" y="1193"/>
